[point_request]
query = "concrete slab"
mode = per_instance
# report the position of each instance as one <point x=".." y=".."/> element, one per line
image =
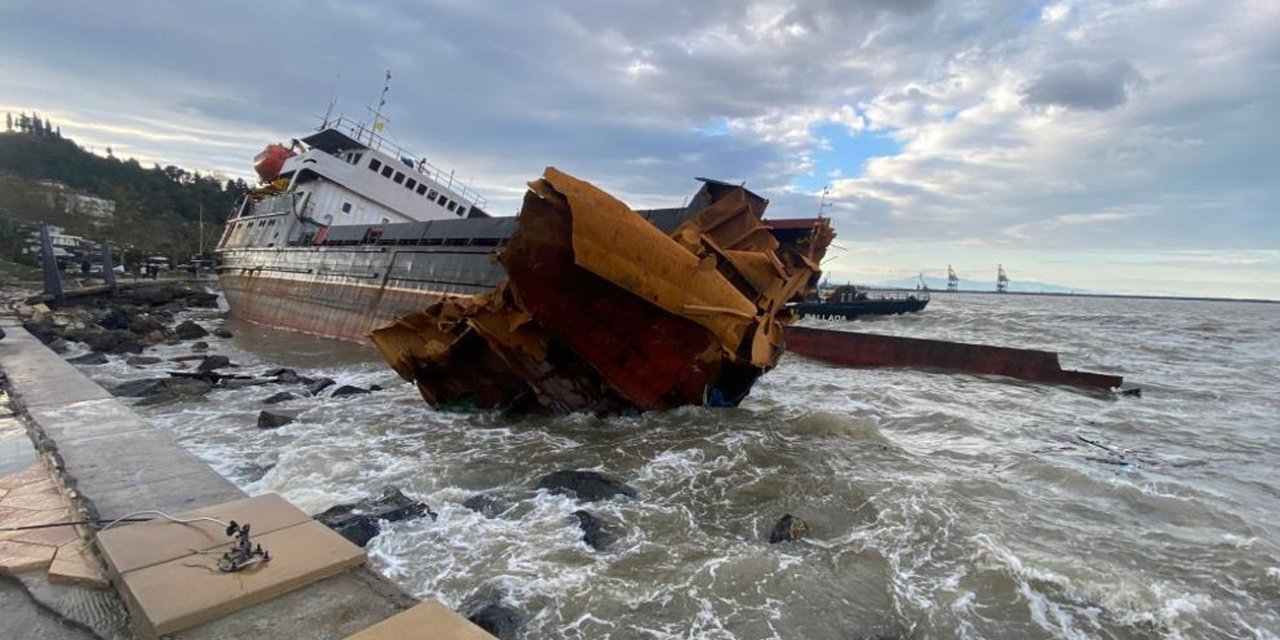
<point x="161" y="474"/>
<point x="39" y="376"/>
<point x="430" y="620"/>
<point x="185" y="592"/>
<point x="74" y="563"/>
<point x="67" y="422"/>
<point x="135" y="546"/>
<point x="16" y="557"/>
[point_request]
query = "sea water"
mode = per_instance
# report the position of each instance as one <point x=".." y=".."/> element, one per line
<point x="939" y="505"/>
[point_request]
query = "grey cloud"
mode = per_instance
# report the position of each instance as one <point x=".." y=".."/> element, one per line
<point x="1083" y="86"/>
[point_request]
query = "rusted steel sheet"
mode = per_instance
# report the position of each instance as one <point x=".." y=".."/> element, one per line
<point x="603" y="312"/>
<point x="852" y="349"/>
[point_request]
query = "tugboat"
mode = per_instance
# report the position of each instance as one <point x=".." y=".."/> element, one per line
<point x="849" y="301"/>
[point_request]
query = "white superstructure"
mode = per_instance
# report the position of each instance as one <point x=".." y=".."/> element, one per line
<point x="346" y="174"/>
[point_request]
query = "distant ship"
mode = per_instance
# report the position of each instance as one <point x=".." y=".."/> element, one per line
<point x="849" y="301"/>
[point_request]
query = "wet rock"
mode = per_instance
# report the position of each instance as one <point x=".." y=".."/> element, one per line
<point x="285" y="376"/>
<point x="488" y="612"/>
<point x="43" y="329"/>
<point x="788" y="529"/>
<point x="145" y="324"/>
<point x="106" y="340"/>
<point x="213" y="363"/>
<point x="154" y="338"/>
<point x="221" y="333"/>
<point x="589" y="486"/>
<point x="252" y="472"/>
<point x="316" y="386"/>
<point x="595" y="532"/>
<point x="375" y="387"/>
<point x="89" y="358"/>
<point x="113" y="319"/>
<point x="241" y="383"/>
<point x="272" y="418"/>
<point x="189" y="330"/>
<point x="142" y="361"/>
<point x="359" y="522"/>
<point x="200" y="346"/>
<point x="58" y="346"/>
<point x="283" y="396"/>
<point x="202" y="299"/>
<point x="156" y="386"/>
<point x="348" y="390"/>
<point x="487" y="506"/>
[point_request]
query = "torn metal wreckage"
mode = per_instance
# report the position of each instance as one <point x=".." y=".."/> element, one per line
<point x="602" y="312"/>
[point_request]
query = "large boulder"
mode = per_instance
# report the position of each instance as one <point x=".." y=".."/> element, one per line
<point x="359" y="522"/>
<point x="144" y="324"/>
<point x="488" y="612"/>
<point x="597" y="533"/>
<point x="189" y="330"/>
<point x="158" y="390"/>
<point x="113" y="319"/>
<point x="41" y="326"/>
<point x="283" y="396"/>
<point x="788" y="528"/>
<point x="272" y="418"/>
<point x="106" y="340"/>
<point x="89" y="358"/>
<point x="487" y="506"/>
<point x="348" y="390"/>
<point x="221" y="333"/>
<point x="213" y="363"/>
<point x="316" y="386"/>
<point x="590" y="486"/>
<point x="142" y="361"/>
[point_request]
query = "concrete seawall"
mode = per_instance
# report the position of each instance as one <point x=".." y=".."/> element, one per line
<point x="116" y="463"/>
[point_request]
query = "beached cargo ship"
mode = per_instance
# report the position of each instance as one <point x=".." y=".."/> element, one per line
<point x="350" y="231"/>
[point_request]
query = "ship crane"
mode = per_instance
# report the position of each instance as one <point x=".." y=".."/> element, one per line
<point x="1002" y="279"/>
<point x="953" y="280"/>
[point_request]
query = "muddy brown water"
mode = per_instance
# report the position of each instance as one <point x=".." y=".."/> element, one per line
<point x="939" y="506"/>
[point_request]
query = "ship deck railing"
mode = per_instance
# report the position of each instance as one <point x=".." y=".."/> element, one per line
<point x="367" y="136"/>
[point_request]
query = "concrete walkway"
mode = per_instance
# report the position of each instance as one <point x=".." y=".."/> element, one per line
<point x="114" y="463"/>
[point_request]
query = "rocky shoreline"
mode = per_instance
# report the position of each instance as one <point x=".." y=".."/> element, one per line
<point x="128" y="324"/>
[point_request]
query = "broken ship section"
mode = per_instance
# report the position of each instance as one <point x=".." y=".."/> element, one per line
<point x="602" y="312"/>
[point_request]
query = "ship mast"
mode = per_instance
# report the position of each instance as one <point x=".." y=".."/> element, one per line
<point x="822" y="202"/>
<point x="378" y="122"/>
<point x="1002" y="279"/>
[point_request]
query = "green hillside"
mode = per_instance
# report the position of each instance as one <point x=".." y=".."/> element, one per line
<point x="157" y="208"/>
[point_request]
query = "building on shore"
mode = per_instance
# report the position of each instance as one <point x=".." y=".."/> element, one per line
<point x="60" y="196"/>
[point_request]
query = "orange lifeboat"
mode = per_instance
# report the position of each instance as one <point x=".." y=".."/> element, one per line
<point x="269" y="163"/>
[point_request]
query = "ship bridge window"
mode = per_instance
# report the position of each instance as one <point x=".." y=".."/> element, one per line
<point x="355" y="158"/>
<point x="399" y="178"/>
<point x="346" y="207"/>
<point x="422" y="188"/>
<point x="410" y="184"/>
<point x="374" y="164"/>
<point x="452" y="205"/>
<point x="387" y="171"/>
<point x="442" y="199"/>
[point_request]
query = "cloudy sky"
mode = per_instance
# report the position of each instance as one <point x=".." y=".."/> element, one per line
<point x="1124" y="146"/>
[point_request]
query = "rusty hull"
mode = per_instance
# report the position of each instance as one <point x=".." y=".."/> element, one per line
<point x="602" y="312"/>
<point x="852" y="349"/>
